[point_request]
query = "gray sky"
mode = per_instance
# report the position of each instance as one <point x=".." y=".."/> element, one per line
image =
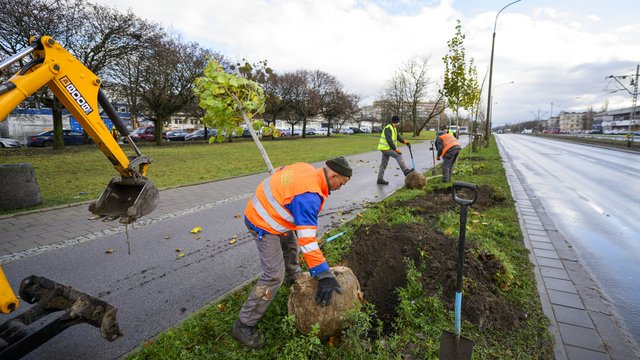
<point x="557" y="53"/>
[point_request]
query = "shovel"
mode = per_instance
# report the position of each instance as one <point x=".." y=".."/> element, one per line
<point x="433" y="156"/>
<point x="453" y="346"/>
<point x="413" y="165"/>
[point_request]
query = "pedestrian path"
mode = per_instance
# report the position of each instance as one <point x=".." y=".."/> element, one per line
<point x="582" y="321"/>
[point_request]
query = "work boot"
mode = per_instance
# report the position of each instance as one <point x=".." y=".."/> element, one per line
<point x="408" y="171"/>
<point x="247" y="335"/>
<point x="383" y="182"/>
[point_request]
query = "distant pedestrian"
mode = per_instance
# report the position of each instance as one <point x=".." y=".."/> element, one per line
<point x="388" y="145"/>
<point x="288" y="200"/>
<point x="115" y="134"/>
<point x="448" y="149"/>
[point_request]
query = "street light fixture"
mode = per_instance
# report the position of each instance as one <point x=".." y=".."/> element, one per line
<point x="493" y="42"/>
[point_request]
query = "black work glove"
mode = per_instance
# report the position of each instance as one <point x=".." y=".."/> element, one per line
<point x="325" y="290"/>
<point x="408" y="145"/>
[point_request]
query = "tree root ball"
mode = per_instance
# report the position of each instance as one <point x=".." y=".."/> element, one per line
<point x="415" y="180"/>
<point x="302" y="303"/>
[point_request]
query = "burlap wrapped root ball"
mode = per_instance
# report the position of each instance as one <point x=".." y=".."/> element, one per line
<point x="415" y="180"/>
<point x="302" y="303"/>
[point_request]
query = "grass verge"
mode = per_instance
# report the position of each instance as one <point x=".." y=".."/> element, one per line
<point x="420" y="317"/>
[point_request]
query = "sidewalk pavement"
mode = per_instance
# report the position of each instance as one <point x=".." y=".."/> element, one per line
<point x="581" y="320"/>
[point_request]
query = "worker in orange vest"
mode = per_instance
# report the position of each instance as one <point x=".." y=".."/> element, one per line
<point x="288" y="200"/>
<point x="448" y="149"/>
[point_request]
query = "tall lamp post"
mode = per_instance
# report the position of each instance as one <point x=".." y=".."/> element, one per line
<point x="493" y="42"/>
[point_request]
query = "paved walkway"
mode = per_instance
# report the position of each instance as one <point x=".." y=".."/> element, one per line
<point x="581" y="321"/>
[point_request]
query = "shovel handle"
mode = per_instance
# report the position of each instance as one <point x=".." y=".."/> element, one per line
<point x="411" y="154"/>
<point x="463" y="185"/>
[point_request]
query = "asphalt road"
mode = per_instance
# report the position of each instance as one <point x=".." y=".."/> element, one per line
<point x="155" y="287"/>
<point x="592" y="195"/>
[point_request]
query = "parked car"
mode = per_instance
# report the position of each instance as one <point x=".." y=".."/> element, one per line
<point x="146" y="133"/>
<point x="71" y="137"/>
<point x="346" y="131"/>
<point x="199" y="134"/>
<point x="7" y="143"/>
<point x="176" y="135"/>
<point x="463" y="130"/>
<point x="356" y="130"/>
<point x="284" y="132"/>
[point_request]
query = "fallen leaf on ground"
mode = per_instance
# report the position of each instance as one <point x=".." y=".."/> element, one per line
<point x="196" y="229"/>
<point x="237" y="215"/>
<point x="179" y="250"/>
<point x="167" y="235"/>
<point x="109" y="251"/>
<point x="180" y="255"/>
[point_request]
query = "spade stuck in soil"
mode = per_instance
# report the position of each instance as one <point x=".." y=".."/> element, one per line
<point x="453" y="345"/>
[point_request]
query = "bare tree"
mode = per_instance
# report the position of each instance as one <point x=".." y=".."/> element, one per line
<point x="330" y="96"/>
<point x="416" y="85"/>
<point x="168" y="79"/>
<point x="97" y="35"/>
<point x="305" y="100"/>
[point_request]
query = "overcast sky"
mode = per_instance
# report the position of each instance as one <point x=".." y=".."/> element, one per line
<point x="557" y="53"/>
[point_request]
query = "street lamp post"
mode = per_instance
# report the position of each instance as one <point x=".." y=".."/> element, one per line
<point x="493" y="42"/>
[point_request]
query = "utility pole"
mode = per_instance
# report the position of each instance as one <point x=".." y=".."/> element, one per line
<point x="634" y="93"/>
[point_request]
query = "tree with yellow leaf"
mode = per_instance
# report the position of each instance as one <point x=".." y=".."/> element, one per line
<point x="230" y="100"/>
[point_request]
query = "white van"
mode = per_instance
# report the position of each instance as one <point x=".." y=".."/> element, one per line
<point x="463" y="130"/>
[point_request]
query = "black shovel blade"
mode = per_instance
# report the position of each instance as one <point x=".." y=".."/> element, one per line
<point x="455" y="347"/>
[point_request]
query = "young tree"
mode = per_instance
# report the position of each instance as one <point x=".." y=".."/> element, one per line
<point x="230" y="99"/>
<point x="456" y="84"/>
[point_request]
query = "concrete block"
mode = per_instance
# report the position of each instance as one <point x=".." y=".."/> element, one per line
<point x="18" y="186"/>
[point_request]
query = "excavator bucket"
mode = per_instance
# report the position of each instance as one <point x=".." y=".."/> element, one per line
<point x="126" y="198"/>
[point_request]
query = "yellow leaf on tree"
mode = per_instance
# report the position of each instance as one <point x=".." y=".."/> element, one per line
<point x="196" y="230"/>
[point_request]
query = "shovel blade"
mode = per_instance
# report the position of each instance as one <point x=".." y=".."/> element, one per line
<point x="455" y="347"/>
<point x="127" y="199"/>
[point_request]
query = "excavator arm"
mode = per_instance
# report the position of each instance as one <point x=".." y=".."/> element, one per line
<point x="128" y="196"/>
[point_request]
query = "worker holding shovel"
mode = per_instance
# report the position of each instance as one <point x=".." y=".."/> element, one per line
<point x="448" y="149"/>
<point x="388" y="145"/>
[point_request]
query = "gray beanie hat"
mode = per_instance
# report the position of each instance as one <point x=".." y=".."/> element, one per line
<point x="340" y="165"/>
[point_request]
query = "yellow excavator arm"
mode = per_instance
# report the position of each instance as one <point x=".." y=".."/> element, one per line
<point x="75" y="86"/>
<point x="128" y="196"/>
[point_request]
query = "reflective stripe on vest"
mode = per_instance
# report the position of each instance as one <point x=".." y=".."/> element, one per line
<point x="382" y="144"/>
<point x="448" y="141"/>
<point x="266" y="209"/>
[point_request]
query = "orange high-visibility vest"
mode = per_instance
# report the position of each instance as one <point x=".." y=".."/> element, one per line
<point x="266" y="210"/>
<point x="448" y="141"/>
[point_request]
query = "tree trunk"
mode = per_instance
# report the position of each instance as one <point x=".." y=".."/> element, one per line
<point x="263" y="152"/>
<point x="58" y="139"/>
<point x="159" y="125"/>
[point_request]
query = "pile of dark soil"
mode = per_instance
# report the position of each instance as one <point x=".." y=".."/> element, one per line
<point x="378" y="253"/>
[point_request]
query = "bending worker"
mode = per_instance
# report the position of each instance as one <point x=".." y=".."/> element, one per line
<point x="388" y="145"/>
<point x="448" y="149"/>
<point x="288" y="200"/>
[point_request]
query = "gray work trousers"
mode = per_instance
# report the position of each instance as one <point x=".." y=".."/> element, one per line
<point x="278" y="254"/>
<point x="386" y="154"/>
<point x="448" y="160"/>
